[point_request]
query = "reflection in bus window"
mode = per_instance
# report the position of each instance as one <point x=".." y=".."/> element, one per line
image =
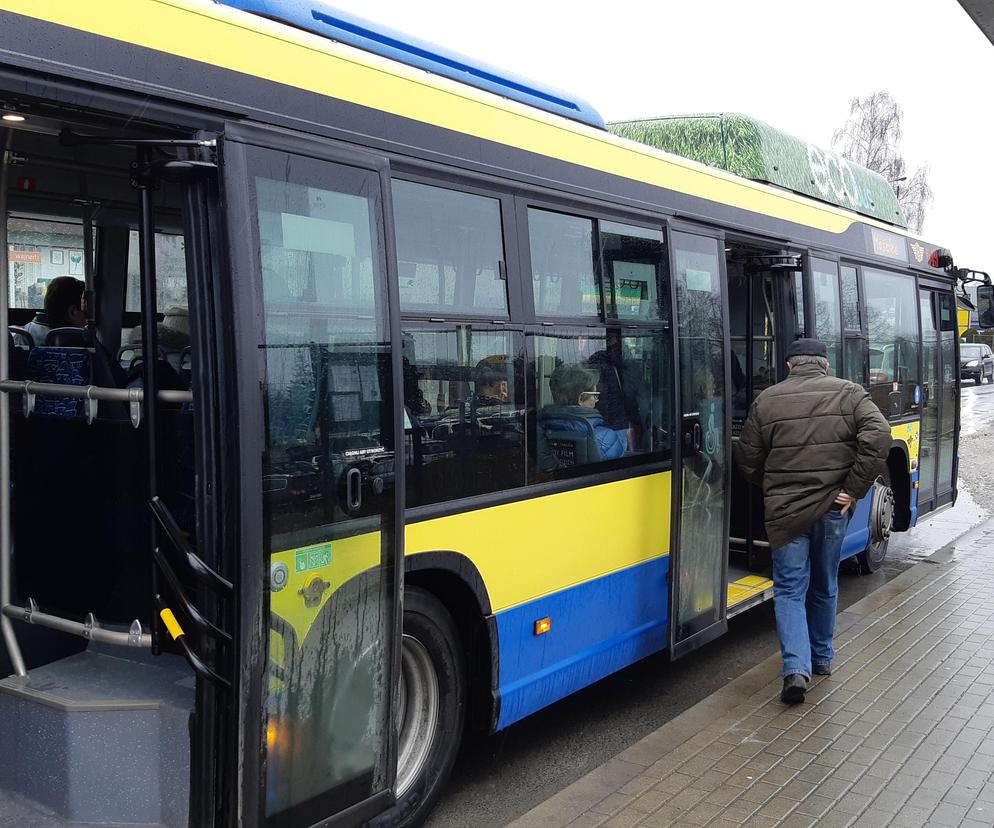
<point x="327" y="480"/>
<point x="450" y="250"/>
<point x="634" y="267"/>
<point x="602" y="396"/>
<point x="892" y="319"/>
<point x="828" y="324"/>
<point x="464" y="401"/>
<point x="564" y="280"/>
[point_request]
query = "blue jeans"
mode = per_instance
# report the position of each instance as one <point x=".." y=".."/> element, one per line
<point x="805" y="592"/>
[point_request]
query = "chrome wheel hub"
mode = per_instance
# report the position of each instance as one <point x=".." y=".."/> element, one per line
<point x="417" y="712"/>
<point x="882" y="512"/>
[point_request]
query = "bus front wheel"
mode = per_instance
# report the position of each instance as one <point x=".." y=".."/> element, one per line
<point x="431" y="708"/>
<point x="881" y="524"/>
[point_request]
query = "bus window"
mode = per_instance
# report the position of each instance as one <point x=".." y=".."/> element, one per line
<point x="450" y="250"/>
<point x="828" y="322"/>
<point x="854" y="345"/>
<point x="564" y="280"/>
<point x="850" y="300"/>
<point x="800" y="327"/>
<point x="464" y="402"/>
<point x="601" y="396"/>
<point x="635" y="267"/>
<point x="38" y="251"/>
<point x="892" y="320"/>
<point x="170" y="272"/>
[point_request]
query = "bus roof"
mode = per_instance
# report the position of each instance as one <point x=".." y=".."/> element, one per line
<point x="753" y="149"/>
<point x="322" y="19"/>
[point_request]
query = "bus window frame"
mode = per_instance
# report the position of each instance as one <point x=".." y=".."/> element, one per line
<point x="594" y="212"/>
<point x="508" y="227"/>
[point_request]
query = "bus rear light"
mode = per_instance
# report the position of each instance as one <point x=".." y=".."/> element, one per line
<point x="543" y="625"/>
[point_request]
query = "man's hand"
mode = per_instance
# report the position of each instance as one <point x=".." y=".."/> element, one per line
<point x="844" y="500"/>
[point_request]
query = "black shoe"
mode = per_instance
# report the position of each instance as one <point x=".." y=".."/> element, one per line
<point x="822" y="669"/>
<point x="794" y="688"/>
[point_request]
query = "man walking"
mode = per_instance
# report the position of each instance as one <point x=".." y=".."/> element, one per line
<point x="815" y="444"/>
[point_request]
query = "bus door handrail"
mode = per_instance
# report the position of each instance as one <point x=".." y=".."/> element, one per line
<point x="196" y="566"/>
<point x="190" y="564"/>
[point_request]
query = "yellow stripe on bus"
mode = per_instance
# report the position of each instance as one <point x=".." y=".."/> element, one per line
<point x="254" y="46"/>
<point x="534" y="547"/>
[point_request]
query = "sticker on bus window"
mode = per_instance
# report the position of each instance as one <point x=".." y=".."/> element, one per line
<point x="312" y="557"/>
<point x="699" y="280"/>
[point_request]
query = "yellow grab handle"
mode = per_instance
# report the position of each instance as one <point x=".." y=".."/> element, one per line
<point x="175" y="630"/>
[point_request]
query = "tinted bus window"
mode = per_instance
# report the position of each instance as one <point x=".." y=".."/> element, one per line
<point x="564" y="279"/>
<point x="892" y="319"/>
<point x="327" y="477"/>
<point x="850" y="299"/>
<point x="601" y="396"/>
<point x="634" y="267"/>
<point x="464" y="404"/>
<point x="828" y="315"/>
<point x="450" y="250"/>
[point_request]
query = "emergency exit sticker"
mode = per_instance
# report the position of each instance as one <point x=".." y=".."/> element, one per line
<point x="312" y="557"/>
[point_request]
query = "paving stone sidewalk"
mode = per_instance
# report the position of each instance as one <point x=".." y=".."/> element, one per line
<point x="901" y="734"/>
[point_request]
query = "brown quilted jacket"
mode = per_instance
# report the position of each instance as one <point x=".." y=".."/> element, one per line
<point x="805" y="440"/>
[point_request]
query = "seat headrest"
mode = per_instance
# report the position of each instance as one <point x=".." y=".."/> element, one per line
<point x="67" y="338"/>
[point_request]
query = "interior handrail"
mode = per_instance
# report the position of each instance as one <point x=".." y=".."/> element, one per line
<point x="90" y="629"/>
<point x="91" y="392"/>
<point x="200" y="570"/>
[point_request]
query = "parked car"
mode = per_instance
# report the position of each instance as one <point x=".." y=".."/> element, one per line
<point x="976" y="362"/>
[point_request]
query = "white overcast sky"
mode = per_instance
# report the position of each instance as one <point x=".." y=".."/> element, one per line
<point x="792" y="63"/>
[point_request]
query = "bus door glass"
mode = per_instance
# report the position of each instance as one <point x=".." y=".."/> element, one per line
<point x="320" y="480"/>
<point x="700" y="542"/>
<point x="940" y="399"/>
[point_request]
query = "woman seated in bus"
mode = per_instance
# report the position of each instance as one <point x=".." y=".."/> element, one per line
<point x="575" y="395"/>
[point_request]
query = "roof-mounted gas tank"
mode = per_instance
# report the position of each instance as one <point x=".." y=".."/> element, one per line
<point x="322" y="19"/>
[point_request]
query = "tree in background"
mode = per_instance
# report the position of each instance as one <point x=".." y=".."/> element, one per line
<point x="871" y="138"/>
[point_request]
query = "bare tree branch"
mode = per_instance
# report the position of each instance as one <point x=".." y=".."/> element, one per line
<point x="871" y="137"/>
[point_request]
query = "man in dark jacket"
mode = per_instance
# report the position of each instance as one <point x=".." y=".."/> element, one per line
<point x="815" y="444"/>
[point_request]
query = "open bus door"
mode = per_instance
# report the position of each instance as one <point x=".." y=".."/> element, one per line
<point x="701" y="480"/>
<point x="313" y="317"/>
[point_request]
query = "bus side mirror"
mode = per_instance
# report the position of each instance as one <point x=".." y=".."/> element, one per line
<point x="985" y="306"/>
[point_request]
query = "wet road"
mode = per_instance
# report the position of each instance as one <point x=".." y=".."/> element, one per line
<point x="501" y="777"/>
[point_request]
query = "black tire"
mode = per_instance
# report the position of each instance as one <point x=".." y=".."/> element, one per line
<point x="429" y="630"/>
<point x="872" y="558"/>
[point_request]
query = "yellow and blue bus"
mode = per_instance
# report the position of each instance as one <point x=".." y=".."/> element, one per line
<point x="357" y="394"/>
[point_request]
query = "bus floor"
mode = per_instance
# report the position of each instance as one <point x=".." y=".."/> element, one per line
<point x="746" y="589"/>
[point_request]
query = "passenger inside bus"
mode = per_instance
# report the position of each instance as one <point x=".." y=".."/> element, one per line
<point x="574" y="429"/>
<point x="64" y="308"/>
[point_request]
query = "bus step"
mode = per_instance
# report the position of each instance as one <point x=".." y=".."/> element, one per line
<point x="98" y="737"/>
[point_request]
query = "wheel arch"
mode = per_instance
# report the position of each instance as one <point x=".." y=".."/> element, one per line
<point x="456" y="582"/>
<point x="899" y="467"/>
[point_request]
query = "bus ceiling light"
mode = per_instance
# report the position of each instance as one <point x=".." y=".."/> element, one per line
<point x="13" y="117"/>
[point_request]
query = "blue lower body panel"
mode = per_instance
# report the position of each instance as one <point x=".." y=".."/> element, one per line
<point x="598" y="627"/>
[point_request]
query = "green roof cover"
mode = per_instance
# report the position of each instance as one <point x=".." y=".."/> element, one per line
<point x="750" y="148"/>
